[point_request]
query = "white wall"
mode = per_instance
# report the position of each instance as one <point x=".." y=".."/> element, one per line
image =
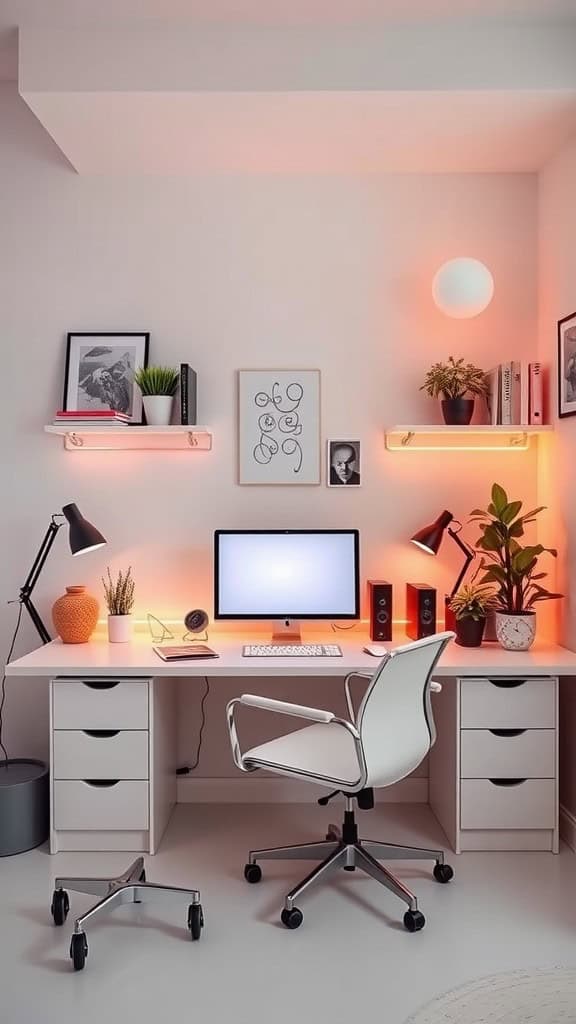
<point x="230" y="272"/>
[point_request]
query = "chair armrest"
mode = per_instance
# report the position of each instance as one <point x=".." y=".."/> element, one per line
<point x="347" y="681"/>
<point x="283" y="707"/>
<point x="435" y="687"/>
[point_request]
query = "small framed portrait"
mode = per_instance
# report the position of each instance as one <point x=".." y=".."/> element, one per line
<point x="100" y="372"/>
<point x="567" y="366"/>
<point x="343" y="464"/>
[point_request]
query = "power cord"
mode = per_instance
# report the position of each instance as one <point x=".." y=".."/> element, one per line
<point x="190" y="768"/>
<point x="4" y="762"/>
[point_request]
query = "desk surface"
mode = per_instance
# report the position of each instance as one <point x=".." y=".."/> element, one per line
<point x="99" y="658"/>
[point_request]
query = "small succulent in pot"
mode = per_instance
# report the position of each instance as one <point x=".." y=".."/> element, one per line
<point x="452" y="382"/>
<point x="158" y="385"/>
<point x="471" y="605"/>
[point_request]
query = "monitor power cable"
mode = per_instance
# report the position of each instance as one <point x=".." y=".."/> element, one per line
<point x="186" y="769"/>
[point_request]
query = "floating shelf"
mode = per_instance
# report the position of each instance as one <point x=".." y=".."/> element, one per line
<point x="143" y="439"/>
<point x="476" y="437"/>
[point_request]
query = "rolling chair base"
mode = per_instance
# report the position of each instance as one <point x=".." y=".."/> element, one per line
<point x="345" y="850"/>
<point x="129" y="887"/>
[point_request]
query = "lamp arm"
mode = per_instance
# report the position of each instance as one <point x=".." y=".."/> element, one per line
<point x="32" y="579"/>
<point x="468" y="552"/>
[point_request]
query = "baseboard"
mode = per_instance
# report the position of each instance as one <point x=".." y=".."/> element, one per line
<point x="568" y="827"/>
<point x="284" y="791"/>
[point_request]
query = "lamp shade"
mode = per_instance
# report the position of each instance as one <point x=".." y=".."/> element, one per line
<point x="463" y="288"/>
<point x="82" y="535"/>
<point x="430" y="537"/>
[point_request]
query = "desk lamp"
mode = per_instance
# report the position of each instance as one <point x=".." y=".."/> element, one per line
<point x="82" y="537"/>
<point x="429" y="540"/>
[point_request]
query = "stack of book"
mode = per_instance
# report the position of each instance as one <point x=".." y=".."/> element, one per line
<point x="515" y="396"/>
<point x="105" y="418"/>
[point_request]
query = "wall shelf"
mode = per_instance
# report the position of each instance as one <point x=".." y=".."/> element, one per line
<point x="144" y="439"/>
<point x="476" y="437"/>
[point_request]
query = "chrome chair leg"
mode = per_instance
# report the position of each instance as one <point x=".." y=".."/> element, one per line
<point x="391" y="851"/>
<point x="302" y="851"/>
<point x="371" y="867"/>
<point x="322" y="871"/>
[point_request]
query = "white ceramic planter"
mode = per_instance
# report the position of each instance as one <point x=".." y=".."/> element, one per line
<point x="515" y="632"/>
<point x="119" y="629"/>
<point x="158" y="409"/>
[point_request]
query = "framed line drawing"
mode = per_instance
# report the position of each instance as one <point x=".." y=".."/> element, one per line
<point x="279" y="427"/>
<point x="567" y="366"/>
<point x="100" y="372"/>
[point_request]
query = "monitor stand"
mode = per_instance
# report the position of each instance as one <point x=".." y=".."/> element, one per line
<point x="287" y="631"/>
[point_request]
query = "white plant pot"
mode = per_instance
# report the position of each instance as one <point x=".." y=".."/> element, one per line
<point x="515" y="632"/>
<point x="119" y="629"/>
<point x="158" y="409"/>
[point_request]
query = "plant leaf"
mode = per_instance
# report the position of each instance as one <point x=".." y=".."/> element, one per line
<point x="499" y="498"/>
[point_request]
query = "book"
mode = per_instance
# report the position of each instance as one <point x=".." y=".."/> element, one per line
<point x="184" y="651"/>
<point x="187" y="395"/>
<point x="92" y="414"/>
<point x="516" y="393"/>
<point x="536" y="394"/>
<point x="524" y="393"/>
<point x="100" y="424"/>
<point x="506" y="393"/>
<point x="493" y="396"/>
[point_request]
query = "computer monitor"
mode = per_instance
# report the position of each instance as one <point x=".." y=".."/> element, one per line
<point x="286" y="575"/>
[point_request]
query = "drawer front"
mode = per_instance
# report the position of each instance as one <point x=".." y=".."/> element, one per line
<point x="102" y="754"/>
<point x="530" y="754"/>
<point x="507" y="703"/>
<point x="100" y="704"/>
<point x="530" y="804"/>
<point x="82" y="806"/>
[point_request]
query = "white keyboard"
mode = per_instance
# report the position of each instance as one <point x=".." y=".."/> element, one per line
<point x="291" y="651"/>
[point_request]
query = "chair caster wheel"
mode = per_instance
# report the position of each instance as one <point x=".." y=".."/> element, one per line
<point x="414" y="921"/>
<point x="292" y="918"/>
<point x="252" y="873"/>
<point x="195" y="921"/>
<point x="60" y="906"/>
<point x="443" y="873"/>
<point x="78" y="950"/>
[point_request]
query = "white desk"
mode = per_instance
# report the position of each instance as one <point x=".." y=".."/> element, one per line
<point x="493" y="780"/>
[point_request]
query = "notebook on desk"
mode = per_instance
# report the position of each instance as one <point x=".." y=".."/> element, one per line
<point x="184" y="652"/>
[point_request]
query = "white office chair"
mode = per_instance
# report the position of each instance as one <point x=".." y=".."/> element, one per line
<point x="383" y="742"/>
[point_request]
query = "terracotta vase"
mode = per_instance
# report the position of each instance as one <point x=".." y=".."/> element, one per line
<point x="75" y="615"/>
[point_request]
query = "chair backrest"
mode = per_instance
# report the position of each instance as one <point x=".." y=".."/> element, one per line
<point x="395" y="718"/>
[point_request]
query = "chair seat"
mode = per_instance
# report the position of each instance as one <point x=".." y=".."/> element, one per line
<point x="325" y="752"/>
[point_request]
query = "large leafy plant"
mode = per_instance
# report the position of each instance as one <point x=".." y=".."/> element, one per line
<point x="455" y="379"/>
<point x="506" y="562"/>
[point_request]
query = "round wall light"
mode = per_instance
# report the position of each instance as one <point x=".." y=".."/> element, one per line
<point x="463" y="287"/>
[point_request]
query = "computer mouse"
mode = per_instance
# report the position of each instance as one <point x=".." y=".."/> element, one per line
<point x="376" y="650"/>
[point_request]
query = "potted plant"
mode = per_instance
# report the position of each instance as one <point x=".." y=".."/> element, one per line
<point x="451" y="382"/>
<point x="471" y="605"/>
<point x="158" y="386"/>
<point x="119" y="594"/>
<point x="512" y="567"/>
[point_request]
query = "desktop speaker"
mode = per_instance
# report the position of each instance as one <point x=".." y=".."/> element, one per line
<point x="380" y="609"/>
<point x="420" y="610"/>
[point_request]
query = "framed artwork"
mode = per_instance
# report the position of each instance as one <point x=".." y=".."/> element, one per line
<point x="100" y="372"/>
<point x="567" y="366"/>
<point x="279" y="426"/>
<point x="343" y="464"/>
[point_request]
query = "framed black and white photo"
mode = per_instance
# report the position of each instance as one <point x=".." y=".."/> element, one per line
<point x="343" y="464"/>
<point x="279" y="427"/>
<point x="567" y="366"/>
<point x="100" y="372"/>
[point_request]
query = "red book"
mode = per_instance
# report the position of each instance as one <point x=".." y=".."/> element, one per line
<point x="106" y="414"/>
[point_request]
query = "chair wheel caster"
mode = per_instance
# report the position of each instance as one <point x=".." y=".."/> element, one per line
<point x="60" y="906"/>
<point x="414" y="921"/>
<point x="443" y="873"/>
<point x="78" y="950"/>
<point x="195" y="921"/>
<point x="292" y="918"/>
<point x="252" y="873"/>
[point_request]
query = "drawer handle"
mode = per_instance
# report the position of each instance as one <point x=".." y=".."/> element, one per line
<point x="507" y="732"/>
<point x="101" y="783"/>
<point x="507" y="684"/>
<point x="103" y="734"/>
<point x="101" y="684"/>
<point x="507" y="782"/>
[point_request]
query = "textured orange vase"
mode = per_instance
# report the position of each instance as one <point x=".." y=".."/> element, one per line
<point x="75" y="615"/>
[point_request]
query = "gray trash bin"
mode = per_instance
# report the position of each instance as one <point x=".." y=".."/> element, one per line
<point x="24" y="805"/>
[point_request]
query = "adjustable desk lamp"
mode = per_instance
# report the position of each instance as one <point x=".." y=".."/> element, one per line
<point x="429" y="540"/>
<point x="82" y="537"/>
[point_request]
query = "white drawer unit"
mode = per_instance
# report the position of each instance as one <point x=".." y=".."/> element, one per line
<point x="494" y="768"/>
<point x="100" y="754"/>
<point x="113" y="770"/>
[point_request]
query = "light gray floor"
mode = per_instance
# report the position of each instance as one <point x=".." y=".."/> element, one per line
<point x="350" y="960"/>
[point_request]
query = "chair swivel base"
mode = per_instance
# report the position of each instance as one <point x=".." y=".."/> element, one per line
<point x="347" y="851"/>
<point x="130" y="887"/>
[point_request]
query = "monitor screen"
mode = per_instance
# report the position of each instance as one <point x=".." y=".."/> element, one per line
<point x="292" y="574"/>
